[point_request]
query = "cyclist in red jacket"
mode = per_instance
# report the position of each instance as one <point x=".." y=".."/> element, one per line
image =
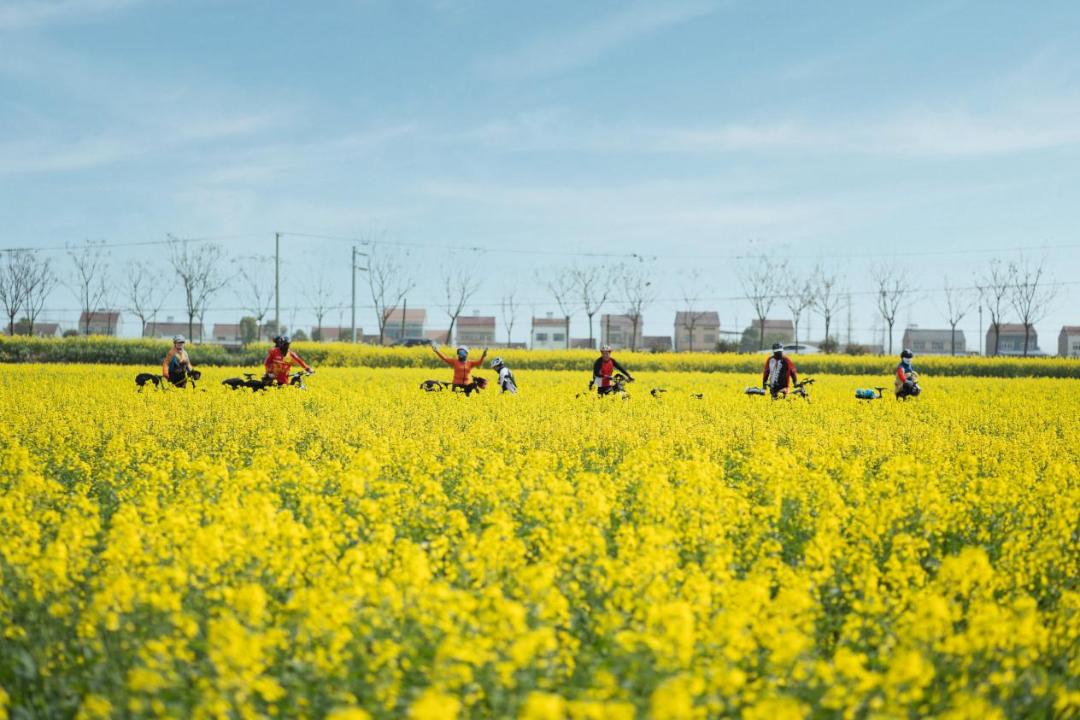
<point x="280" y="359"/>
<point x="779" y="372"/>
<point x="604" y="370"/>
<point x="907" y="380"/>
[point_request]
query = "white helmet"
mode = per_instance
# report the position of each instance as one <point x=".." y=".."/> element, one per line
<point x="496" y="362"/>
<point x="179" y="338"/>
<point x="605" y="348"/>
<point x="463" y="348"/>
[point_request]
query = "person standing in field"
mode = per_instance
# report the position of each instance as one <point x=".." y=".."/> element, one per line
<point x="177" y="364"/>
<point x="779" y="372"/>
<point x="280" y="359"/>
<point x="604" y="371"/>
<point x="463" y="367"/>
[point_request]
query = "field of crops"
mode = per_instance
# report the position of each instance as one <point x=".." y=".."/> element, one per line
<point x="363" y="549"/>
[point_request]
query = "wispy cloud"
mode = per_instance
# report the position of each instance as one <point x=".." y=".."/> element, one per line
<point x="28" y="13"/>
<point x="557" y="53"/>
<point x="918" y="131"/>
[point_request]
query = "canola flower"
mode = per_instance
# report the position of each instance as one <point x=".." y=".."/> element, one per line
<point x="365" y="550"/>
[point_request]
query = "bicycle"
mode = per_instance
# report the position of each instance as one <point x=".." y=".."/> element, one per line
<point x="250" y="382"/>
<point x="476" y="385"/>
<point x="799" y="389"/>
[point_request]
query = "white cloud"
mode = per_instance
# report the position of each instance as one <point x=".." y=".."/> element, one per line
<point x="923" y="132"/>
<point x="574" y="48"/>
<point x="28" y="13"/>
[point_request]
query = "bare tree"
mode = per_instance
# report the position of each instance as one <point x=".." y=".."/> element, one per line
<point x="320" y="293"/>
<point x="692" y="316"/>
<point x="199" y="267"/>
<point x="592" y="285"/>
<point x="459" y="288"/>
<point x="89" y="282"/>
<point x="15" y="281"/>
<point x="957" y="305"/>
<point x="799" y="297"/>
<point x="1031" y="294"/>
<point x="637" y="292"/>
<point x="145" y="291"/>
<point x="389" y="284"/>
<point x="560" y="283"/>
<point x="42" y="281"/>
<point x="509" y="314"/>
<point x="829" y="299"/>
<point x="994" y="292"/>
<point x="257" y="274"/>
<point x="761" y="282"/>
<point x="891" y="287"/>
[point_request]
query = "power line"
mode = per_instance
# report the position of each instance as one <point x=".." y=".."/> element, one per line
<point x="640" y="257"/>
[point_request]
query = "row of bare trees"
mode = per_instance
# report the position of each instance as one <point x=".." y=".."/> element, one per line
<point x="589" y="289"/>
<point x="25" y="282"/>
<point x="199" y="271"/>
<point x="1021" y="287"/>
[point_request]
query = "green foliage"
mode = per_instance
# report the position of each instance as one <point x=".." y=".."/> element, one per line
<point x="249" y="330"/>
<point x="146" y="351"/>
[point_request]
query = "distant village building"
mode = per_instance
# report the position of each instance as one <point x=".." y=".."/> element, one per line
<point x="1012" y="340"/>
<point x="169" y="329"/>
<point x="439" y="337"/>
<point x="99" y="322"/>
<point x="335" y="334"/>
<point x="1069" y="341"/>
<point x="548" y="333"/>
<point x="933" y="342"/>
<point x="41" y="330"/>
<point x="776" y="331"/>
<point x="696" y="331"/>
<point x="656" y="343"/>
<point x="582" y="344"/>
<point x="620" y="331"/>
<point x="401" y="324"/>
<point x="227" y="334"/>
<point x="478" y="330"/>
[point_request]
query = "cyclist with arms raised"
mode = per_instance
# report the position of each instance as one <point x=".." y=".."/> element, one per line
<point x="463" y="367"/>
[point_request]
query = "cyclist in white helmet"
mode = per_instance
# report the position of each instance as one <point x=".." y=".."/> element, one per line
<point x="506" y="378"/>
<point x="463" y="368"/>
<point x="604" y="371"/>
<point x="177" y="364"/>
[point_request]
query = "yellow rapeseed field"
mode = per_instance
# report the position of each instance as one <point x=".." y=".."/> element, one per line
<point x="367" y="550"/>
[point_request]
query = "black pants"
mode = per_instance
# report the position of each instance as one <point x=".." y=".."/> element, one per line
<point x="908" y="389"/>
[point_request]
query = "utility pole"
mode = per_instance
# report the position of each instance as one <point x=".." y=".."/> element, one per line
<point x="404" y="310"/>
<point x="354" y="269"/>
<point x="353" y="335"/>
<point x="849" y="320"/>
<point x="980" y="330"/>
<point x="277" y="283"/>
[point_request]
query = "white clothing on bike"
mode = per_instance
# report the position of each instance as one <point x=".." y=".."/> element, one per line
<point x="506" y="380"/>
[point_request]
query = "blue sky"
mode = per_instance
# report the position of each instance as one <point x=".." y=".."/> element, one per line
<point x="687" y="131"/>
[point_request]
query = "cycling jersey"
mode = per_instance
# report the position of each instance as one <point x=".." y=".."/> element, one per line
<point x="175" y="362"/>
<point x="604" y="369"/>
<point x="279" y="364"/>
<point x="779" y="373"/>
<point x="462" y="369"/>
